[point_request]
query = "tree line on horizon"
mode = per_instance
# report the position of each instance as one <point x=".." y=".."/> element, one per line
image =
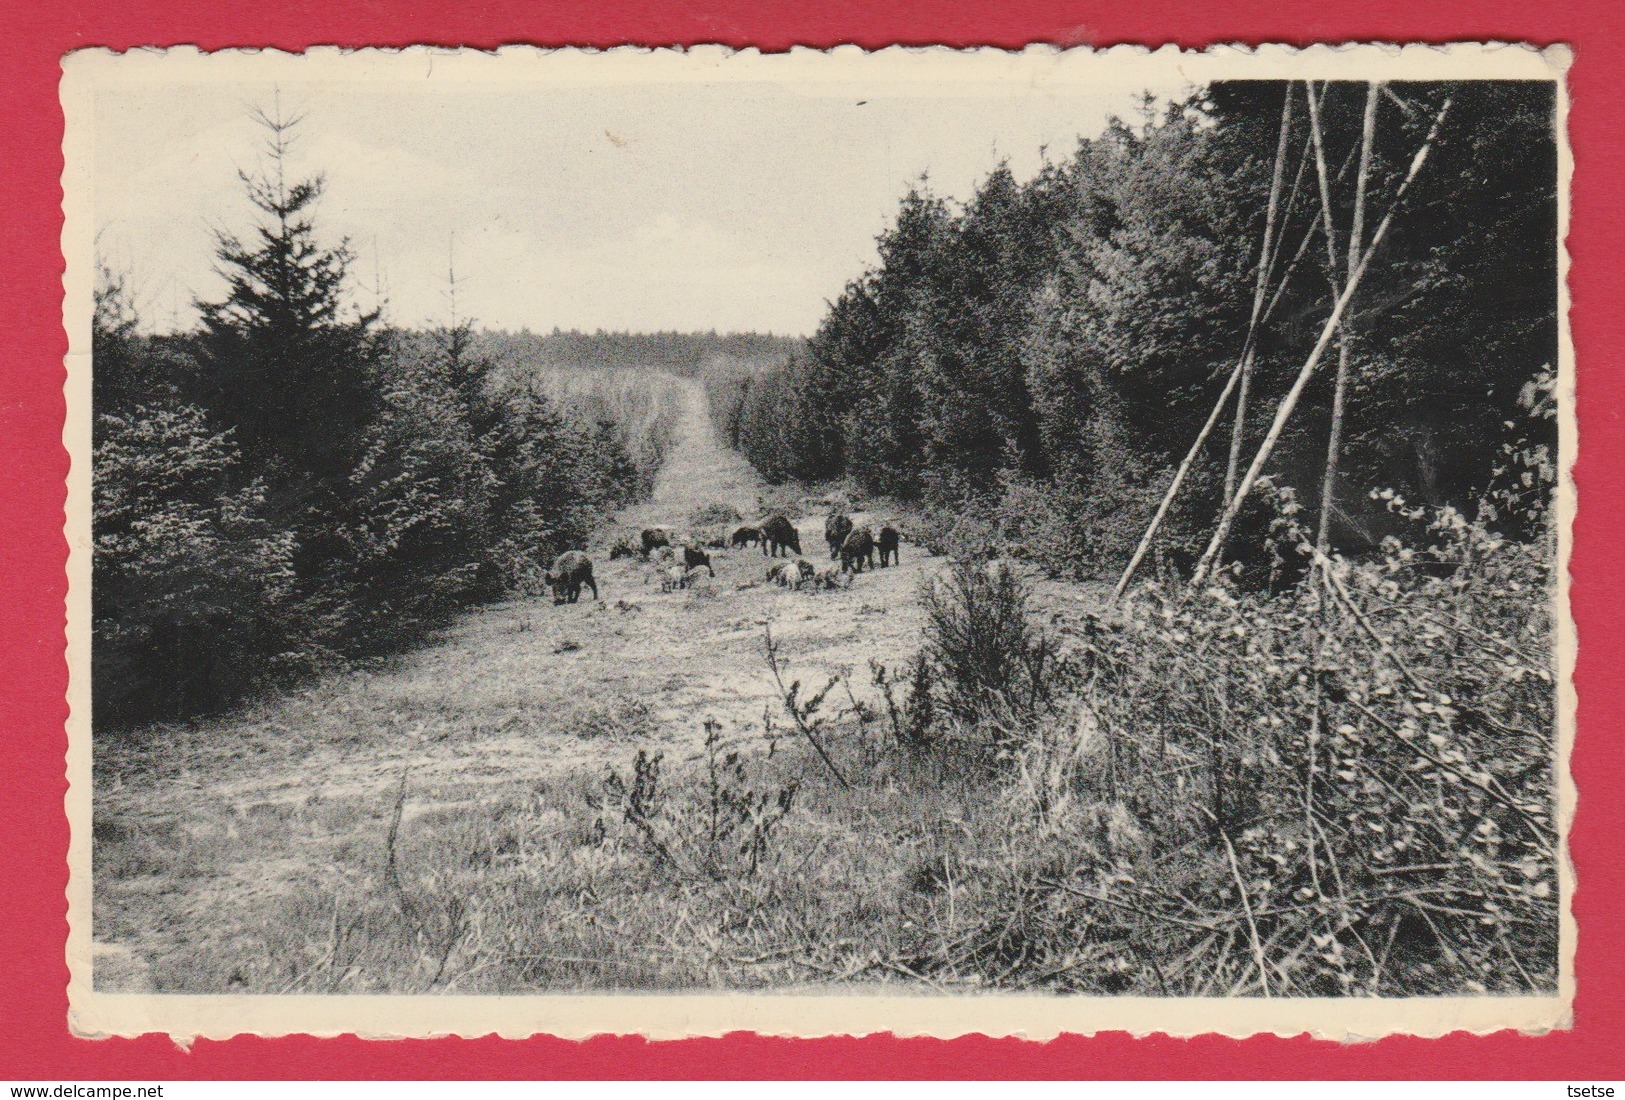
<point x="682" y="353"/>
<point x="1045" y="352"/>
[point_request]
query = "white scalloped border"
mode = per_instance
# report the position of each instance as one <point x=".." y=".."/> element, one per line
<point x="933" y="70"/>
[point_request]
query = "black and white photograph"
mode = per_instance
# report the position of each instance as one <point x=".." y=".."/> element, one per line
<point x="928" y="541"/>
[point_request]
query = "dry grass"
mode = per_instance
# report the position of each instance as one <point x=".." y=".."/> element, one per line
<point x="448" y="821"/>
<point x="215" y="838"/>
<point x="550" y="886"/>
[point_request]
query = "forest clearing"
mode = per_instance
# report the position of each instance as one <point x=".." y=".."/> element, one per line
<point x="500" y="731"/>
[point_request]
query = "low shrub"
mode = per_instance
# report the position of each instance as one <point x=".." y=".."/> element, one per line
<point x="723" y="834"/>
<point x="611" y="719"/>
<point x="987" y="663"/>
<point x="909" y="710"/>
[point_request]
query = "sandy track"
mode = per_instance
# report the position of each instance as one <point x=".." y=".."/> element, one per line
<point x="700" y="653"/>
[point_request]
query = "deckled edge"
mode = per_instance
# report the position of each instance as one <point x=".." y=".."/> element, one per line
<point x="94" y="1015"/>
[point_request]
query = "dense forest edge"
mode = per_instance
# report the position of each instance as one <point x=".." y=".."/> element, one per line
<point x="682" y="353"/>
<point x="1044" y="353"/>
<point x="1358" y="704"/>
<point x="1327" y="769"/>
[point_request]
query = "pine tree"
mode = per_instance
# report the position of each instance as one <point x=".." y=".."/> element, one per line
<point x="283" y="362"/>
<point x="978" y="412"/>
<point x="887" y="452"/>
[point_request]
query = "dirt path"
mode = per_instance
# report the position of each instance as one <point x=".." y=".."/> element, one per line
<point x="699" y="470"/>
<point x="225" y="814"/>
<point x="700" y="653"/>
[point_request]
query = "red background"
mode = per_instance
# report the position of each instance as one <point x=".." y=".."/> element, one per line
<point x="34" y="1041"/>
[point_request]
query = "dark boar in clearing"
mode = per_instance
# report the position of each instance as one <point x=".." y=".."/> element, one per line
<point x="654" y="538"/>
<point x="570" y="571"/>
<point x="779" y="534"/>
<point x="695" y="558"/>
<point x="836" y="528"/>
<point x="888" y="541"/>
<point x="858" y="550"/>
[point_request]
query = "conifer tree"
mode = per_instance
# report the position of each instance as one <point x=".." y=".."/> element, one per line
<point x="283" y="361"/>
<point x="888" y="455"/>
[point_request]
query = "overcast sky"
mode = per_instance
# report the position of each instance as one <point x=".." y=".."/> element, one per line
<point x="734" y="206"/>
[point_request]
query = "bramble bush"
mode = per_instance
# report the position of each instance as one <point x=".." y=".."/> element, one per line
<point x="1342" y="789"/>
<point x="1349" y="785"/>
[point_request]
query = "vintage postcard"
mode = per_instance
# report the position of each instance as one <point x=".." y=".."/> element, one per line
<point x="919" y="541"/>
